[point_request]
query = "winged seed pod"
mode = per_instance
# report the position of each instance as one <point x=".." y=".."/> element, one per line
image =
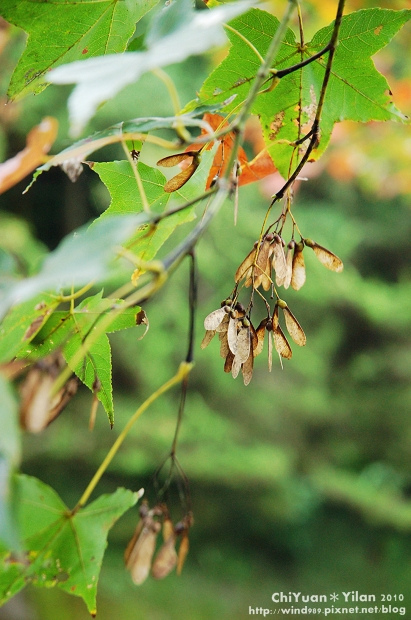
<point x="140" y="550"/>
<point x="166" y="559"/>
<point x="281" y="343"/>
<point x="289" y="264"/>
<point x="298" y="275"/>
<point x="326" y="257"/>
<point x="216" y="321"/>
<point x="38" y="407"/>
<point x="182" y="177"/>
<point x="293" y="327"/>
<point x="279" y="262"/>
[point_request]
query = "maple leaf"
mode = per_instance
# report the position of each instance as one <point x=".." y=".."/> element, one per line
<point x="250" y="171"/>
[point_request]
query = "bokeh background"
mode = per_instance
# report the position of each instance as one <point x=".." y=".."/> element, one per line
<point x="302" y="480"/>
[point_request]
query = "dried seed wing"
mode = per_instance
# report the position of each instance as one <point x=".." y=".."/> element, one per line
<point x="298" y="275"/>
<point x="247" y="264"/>
<point x="326" y="257"/>
<point x="232" y="334"/>
<point x="281" y="343"/>
<point x="270" y="351"/>
<point x="224" y="348"/>
<point x="243" y="345"/>
<point x="275" y="320"/>
<point x="208" y="336"/>
<point x="236" y="367"/>
<point x="165" y="560"/>
<point x="213" y="320"/>
<point x="279" y="262"/>
<point x="182" y="553"/>
<point x="254" y="339"/>
<point x="224" y="323"/>
<point x="260" y="331"/>
<point x="141" y="555"/>
<point x="181" y="178"/>
<point x="263" y="255"/>
<point x="294" y="328"/>
<point x="266" y="281"/>
<point x="168" y="529"/>
<point x="229" y="362"/>
<point x="133" y="540"/>
<point x="247" y="369"/>
<point x="289" y="265"/>
<point x="174" y="160"/>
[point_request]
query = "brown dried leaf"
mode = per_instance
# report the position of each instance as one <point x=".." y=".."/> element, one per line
<point x="39" y="142"/>
<point x="165" y="560"/>
<point x="213" y="320"/>
<point x="281" y="343"/>
<point x="208" y="336"/>
<point x="294" y="328"/>
<point x="298" y="276"/>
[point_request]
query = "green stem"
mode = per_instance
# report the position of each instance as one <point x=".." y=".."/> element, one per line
<point x="181" y="374"/>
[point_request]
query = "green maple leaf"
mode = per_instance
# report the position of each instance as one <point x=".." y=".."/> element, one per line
<point x="66" y="30"/>
<point x="119" y="179"/>
<point x="70" y="329"/>
<point x="356" y="90"/>
<point x="60" y="547"/>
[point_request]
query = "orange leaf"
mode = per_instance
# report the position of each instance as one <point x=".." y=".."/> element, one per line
<point x="261" y="166"/>
<point x="39" y="142"/>
<point x="258" y="168"/>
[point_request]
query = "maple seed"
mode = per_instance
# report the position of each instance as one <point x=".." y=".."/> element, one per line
<point x="326" y="257"/>
<point x="182" y="177"/>
<point x="38" y="407"/>
<point x="298" y="269"/>
<point x="279" y="262"/>
<point x="213" y="320"/>
<point x="140" y="550"/>
<point x="294" y="328"/>
<point x="289" y="264"/>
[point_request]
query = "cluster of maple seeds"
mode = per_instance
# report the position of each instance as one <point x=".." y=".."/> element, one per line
<point x="140" y="550"/>
<point x="240" y="342"/>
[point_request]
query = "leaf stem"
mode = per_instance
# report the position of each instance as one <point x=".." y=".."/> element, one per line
<point x="182" y="373"/>
<point x="180" y="129"/>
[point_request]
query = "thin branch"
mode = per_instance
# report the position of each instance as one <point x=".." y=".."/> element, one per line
<point x="181" y="374"/>
<point x="316" y="123"/>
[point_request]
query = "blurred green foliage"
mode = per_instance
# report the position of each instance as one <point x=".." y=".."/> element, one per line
<point x="299" y="482"/>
